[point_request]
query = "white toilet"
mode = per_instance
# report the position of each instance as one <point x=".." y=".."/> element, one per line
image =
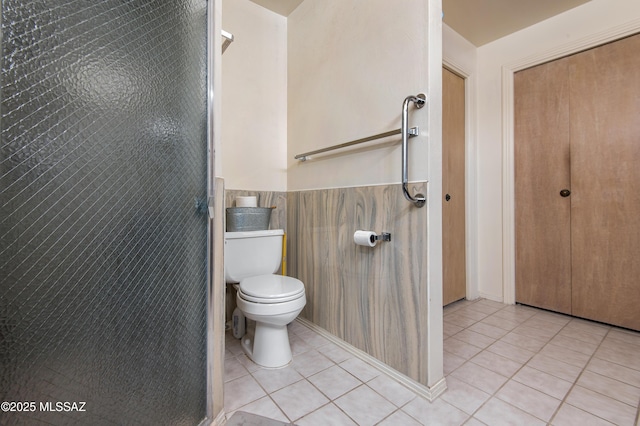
<point x="272" y="301"/>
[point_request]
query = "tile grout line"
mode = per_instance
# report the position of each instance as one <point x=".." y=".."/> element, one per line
<point x="472" y="415"/>
<point x="306" y="378"/>
<point x="575" y="383"/>
<point x="515" y="373"/>
<point x="325" y="395"/>
<point x="417" y="388"/>
<point x="399" y="408"/>
<point x="267" y="393"/>
<point x="504" y="384"/>
<point x="609" y="329"/>
<point x="362" y="383"/>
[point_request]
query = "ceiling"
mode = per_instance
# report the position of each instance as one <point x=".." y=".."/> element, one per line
<point x="483" y="21"/>
<point x="281" y="7"/>
<point x="479" y="21"/>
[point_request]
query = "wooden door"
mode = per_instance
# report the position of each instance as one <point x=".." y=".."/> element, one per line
<point x="453" y="206"/>
<point x="542" y="215"/>
<point x="577" y="129"/>
<point x="605" y="176"/>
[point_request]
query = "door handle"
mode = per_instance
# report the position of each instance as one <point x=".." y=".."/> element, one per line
<point x="447" y="197"/>
<point x="565" y="193"/>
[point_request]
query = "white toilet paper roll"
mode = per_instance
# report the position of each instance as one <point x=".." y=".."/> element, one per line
<point x="247" y="201"/>
<point x="365" y="238"/>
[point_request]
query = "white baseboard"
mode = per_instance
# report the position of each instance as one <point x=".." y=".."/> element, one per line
<point x="220" y="420"/>
<point x="429" y="393"/>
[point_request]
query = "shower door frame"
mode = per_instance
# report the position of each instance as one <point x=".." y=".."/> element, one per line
<point x="214" y="414"/>
<point x="215" y="244"/>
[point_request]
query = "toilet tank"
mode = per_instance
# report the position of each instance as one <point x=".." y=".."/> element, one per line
<point x="251" y="253"/>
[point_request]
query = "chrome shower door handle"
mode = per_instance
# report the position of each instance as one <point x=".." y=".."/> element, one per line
<point x="420" y="100"/>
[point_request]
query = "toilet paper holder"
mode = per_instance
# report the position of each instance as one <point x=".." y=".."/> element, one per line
<point x="369" y="238"/>
<point x="385" y="236"/>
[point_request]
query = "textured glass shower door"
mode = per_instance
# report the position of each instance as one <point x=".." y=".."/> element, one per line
<point x="103" y="251"/>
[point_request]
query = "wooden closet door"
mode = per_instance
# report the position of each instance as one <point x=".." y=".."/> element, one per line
<point x="454" y="278"/>
<point x="542" y="216"/>
<point x="605" y="176"/>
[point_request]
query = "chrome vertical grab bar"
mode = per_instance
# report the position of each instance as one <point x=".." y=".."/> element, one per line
<point x="420" y="101"/>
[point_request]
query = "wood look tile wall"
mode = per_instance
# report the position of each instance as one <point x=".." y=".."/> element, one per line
<point x="374" y="298"/>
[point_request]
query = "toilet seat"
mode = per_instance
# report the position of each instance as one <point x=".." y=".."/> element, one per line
<point x="270" y="289"/>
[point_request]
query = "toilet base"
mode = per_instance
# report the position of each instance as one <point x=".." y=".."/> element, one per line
<point x="268" y="346"/>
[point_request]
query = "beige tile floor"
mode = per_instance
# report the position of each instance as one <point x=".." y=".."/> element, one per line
<point x="505" y="365"/>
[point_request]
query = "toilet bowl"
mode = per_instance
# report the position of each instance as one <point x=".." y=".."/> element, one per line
<point x="269" y="345"/>
<point x="272" y="301"/>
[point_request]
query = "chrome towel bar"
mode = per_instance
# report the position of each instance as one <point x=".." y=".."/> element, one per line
<point x="227" y="39"/>
<point x="420" y="100"/>
<point x="414" y="131"/>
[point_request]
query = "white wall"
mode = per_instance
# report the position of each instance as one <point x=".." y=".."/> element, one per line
<point x="568" y="32"/>
<point x="254" y="99"/>
<point x="351" y="64"/>
<point x="458" y="52"/>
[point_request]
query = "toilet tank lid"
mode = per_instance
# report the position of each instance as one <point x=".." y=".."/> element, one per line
<point x="271" y="286"/>
<point x="252" y="234"/>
